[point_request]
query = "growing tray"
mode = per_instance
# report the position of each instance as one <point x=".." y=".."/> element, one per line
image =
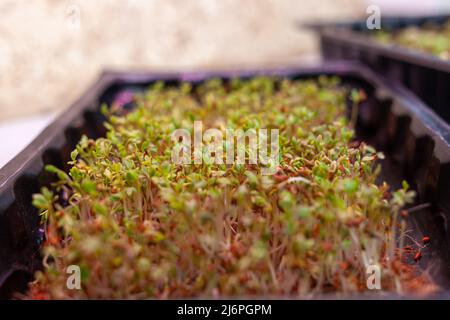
<point x="425" y="74"/>
<point x="415" y="140"/>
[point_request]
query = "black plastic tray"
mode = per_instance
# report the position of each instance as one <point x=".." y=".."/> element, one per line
<point x="416" y="143"/>
<point x="426" y="75"/>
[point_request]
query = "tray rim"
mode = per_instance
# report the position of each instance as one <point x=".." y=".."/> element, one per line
<point x="343" y="31"/>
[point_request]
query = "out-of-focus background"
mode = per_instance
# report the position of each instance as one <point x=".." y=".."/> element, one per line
<point x="51" y="50"/>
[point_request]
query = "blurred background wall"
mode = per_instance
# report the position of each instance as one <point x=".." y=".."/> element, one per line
<point x="50" y="50"/>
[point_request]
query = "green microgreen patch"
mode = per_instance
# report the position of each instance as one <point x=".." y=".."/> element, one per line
<point x="428" y="39"/>
<point x="139" y="226"/>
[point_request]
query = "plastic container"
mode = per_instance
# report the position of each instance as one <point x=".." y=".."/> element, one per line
<point x="416" y="143"/>
<point x="426" y="75"/>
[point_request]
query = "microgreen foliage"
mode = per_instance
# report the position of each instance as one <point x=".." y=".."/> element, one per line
<point x="429" y="39"/>
<point x="139" y="226"/>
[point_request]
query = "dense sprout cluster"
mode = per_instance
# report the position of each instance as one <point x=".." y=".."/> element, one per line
<point x="431" y="40"/>
<point x="140" y="226"/>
